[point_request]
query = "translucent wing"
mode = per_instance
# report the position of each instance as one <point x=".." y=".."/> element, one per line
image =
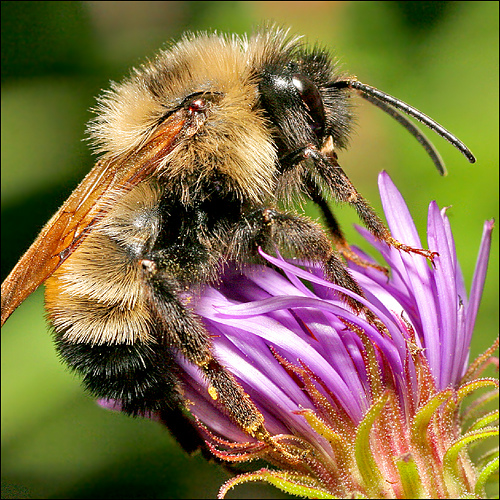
<point x="72" y="222"/>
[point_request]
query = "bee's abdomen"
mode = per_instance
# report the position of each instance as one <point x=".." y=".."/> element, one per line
<point x="142" y="376"/>
<point x="98" y="295"/>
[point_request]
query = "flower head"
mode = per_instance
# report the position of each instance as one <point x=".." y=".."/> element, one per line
<point x="367" y="411"/>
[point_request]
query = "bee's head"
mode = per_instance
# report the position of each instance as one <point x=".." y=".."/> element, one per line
<point x="298" y="97"/>
<point x="247" y="112"/>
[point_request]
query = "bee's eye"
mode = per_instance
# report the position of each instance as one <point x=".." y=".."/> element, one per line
<point x="197" y="106"/>
<point x="312" y="101"/>
<point x="195" y="102"/>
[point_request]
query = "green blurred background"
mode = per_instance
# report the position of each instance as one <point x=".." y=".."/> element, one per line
<point x="441" y="57"/>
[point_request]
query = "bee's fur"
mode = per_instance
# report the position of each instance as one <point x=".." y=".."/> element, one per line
<point x="214" y="133"/>
<point x="129" y="113"/>
<point x="97" y="296"/>
<point x="236" y="139"/>
<point x="115" y="303"/>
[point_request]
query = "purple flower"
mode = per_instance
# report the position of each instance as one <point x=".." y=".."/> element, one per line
<point x="370" y="412"/>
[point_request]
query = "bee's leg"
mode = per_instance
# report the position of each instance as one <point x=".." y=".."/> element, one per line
<point x="183" y="429"/>
<point x="302" y="237"/>
<point x="325" y="165"/>
<point x="335" y="230"/>
<point x="182" y="329"/>
<point x="331" y="172"/>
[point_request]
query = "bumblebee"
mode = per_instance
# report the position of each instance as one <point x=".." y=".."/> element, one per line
<point x="198" y="150"/>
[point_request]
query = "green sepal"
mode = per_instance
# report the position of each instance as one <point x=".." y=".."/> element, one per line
<point x="410" y="477"/>
<point x="367" y="466"/>
<point x="484" y="475"/>
<point x="289" y="482"/>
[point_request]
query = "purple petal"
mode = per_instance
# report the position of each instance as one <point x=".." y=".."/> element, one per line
<point x="413" y="268"/>
<point x="479" y="277"/>
<point x="446" y="297"/>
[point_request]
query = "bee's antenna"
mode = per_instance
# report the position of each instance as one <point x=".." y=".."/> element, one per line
<point x="386" y="101"/>
<point x="414" y="131"/>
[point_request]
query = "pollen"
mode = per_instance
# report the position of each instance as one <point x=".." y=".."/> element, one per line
<point x="213" y="393"/>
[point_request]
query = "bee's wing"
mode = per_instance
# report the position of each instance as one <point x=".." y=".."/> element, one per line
<point x="70" y="224"/>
